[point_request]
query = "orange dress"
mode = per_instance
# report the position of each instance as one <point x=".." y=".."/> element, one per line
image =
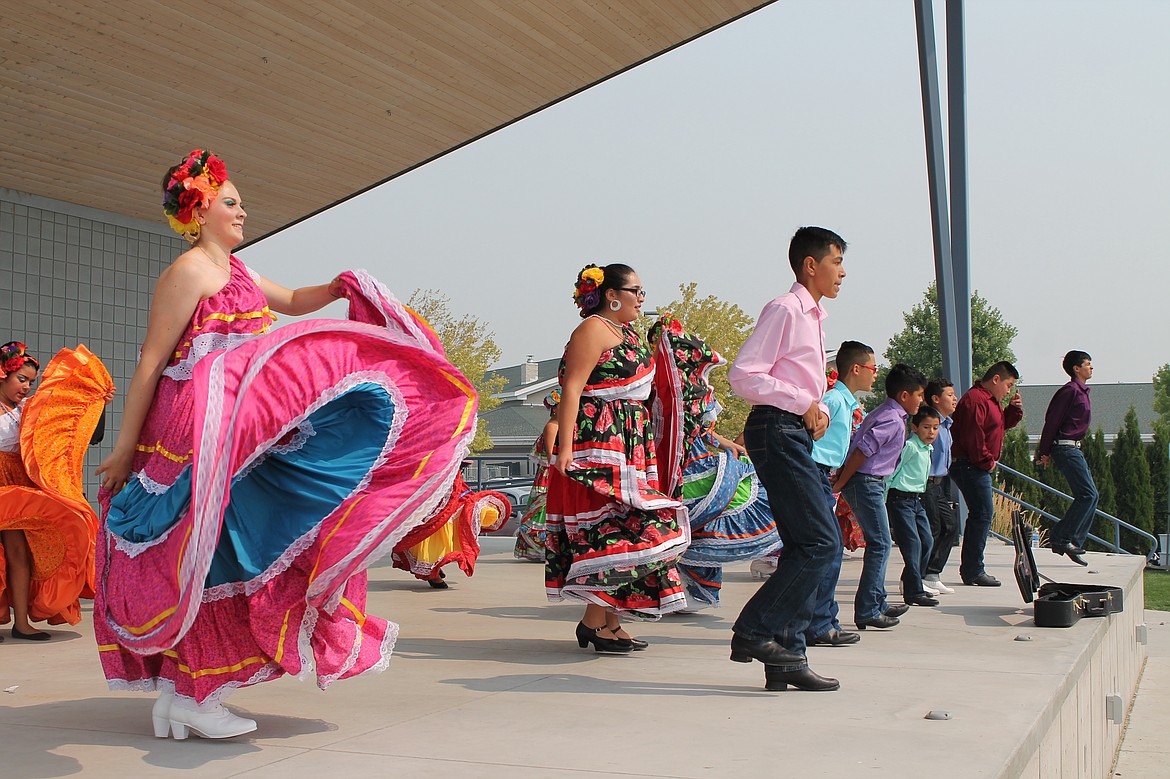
<point x="41" y="485"/>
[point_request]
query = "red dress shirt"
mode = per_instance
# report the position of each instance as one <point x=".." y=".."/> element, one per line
<point x="977" y="432"/>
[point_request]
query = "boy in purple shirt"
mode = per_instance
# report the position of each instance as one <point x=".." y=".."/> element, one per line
<point x="873" y="456"/>
<point x="780" y="369"/>
<point x="1065" y="424"/>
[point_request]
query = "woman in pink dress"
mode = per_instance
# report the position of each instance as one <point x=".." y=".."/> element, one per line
<point x="256" y="474"/>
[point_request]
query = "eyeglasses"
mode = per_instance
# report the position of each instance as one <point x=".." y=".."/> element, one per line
<point x="869" y="368"/>
<point x="639" y="291"/>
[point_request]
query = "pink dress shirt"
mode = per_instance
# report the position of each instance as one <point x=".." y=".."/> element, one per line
<point x="782" y="363"/>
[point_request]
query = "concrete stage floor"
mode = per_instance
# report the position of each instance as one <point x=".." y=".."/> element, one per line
<point x="487" y="681"/>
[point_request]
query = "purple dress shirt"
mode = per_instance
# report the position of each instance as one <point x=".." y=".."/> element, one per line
<point x="1068" y="417"/>
<point x="881" y="438"/>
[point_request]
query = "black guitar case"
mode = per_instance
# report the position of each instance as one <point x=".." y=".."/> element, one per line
<point x="1057" y="605"/>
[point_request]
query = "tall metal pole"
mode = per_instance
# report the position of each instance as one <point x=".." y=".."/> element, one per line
<point x="957" y="153"/>
<point x="937" y="180"/>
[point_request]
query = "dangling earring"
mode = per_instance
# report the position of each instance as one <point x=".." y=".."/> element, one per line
<point x="615" y="305"/>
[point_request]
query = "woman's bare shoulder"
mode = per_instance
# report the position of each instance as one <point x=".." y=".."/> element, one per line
<point x="191" y="270"/>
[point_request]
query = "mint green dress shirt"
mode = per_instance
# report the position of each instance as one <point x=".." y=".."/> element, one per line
<point x="913" y="468"/>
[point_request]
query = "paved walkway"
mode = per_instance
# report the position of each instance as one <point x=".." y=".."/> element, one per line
<point x="487" y="681"/>
<point x="1145" y="752"/>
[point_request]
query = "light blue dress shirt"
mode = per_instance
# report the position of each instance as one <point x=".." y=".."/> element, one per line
<point x="830" y="449"/>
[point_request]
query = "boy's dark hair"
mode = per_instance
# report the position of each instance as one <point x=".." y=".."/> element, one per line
<point x="851" y="353"/>
<point x="924" y="412"/>
<point x="935" y="387"/>
<point x="903" y="377"/>
<point x="1073" y="359"/>
<point x="1002" y="369"/>
<point x="812" y="242"/>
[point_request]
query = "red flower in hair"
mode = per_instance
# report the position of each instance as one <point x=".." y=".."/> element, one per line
<point x="216" y="169"/>
<point x="188" y="199"/>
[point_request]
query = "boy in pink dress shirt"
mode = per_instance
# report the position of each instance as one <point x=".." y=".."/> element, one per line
<point x="781" y="371"/>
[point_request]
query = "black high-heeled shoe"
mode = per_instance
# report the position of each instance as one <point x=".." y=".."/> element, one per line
<point x="636" y="644"/>
<point x="587" y="635"/>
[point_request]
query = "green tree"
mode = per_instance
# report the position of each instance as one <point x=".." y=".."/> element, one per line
<point x="1097" y="458"/>
<point x="920" y="344"/>
<point x="1131" y="475"/>
<point x="470" y="346"/>
<point x="1162" y="393"/>
<point x="724" y="326"/>
<point x="1017" y="456"/>
<point x="1156" y="455"/>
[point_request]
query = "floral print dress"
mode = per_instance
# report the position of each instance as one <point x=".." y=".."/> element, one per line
<point x="612" y="537"/>
<point x="530" y="536"/>
<point x="727" y="508"/>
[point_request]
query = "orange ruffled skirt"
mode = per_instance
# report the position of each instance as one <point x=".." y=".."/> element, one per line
<point x="41" y="489"/>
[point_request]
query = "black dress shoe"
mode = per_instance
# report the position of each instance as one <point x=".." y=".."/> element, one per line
<point x="1071" y="552"/>
<point x="896" y="611"/>
<point x="587" y="635"/>
<point x="803" y="678"/>
<point x="922" y="600"/>
<point x="880" y="621"/>
<point x="36" y="635"/>
<point x="636" y="644"/>
<point x="769" y="652"/>
<point x="836" y="638"/>
<point x="982" y="580"/>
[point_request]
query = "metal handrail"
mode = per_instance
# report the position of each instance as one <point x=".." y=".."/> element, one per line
<point x="1155" y="550"/>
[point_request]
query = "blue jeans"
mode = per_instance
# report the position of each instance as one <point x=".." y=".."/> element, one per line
<point x="865" y="494"/>
<point x="1074" y="528"/>
<point x="781" y="450"/>
<point x="975" y="484"/>
<point x="911" y="531"/>
<point x="825" y="610"/>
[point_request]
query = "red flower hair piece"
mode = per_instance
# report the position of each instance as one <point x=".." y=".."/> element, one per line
<point x="13" y="356"/>
<point x="195" y="182"/>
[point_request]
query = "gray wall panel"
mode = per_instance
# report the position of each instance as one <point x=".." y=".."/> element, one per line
<point x="71" y="274"/>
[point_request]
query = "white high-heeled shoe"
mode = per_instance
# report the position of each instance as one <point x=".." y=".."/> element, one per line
<point x="211" y="722"/>
<point x="160" y="715"/>
<point x="763" y="568"/>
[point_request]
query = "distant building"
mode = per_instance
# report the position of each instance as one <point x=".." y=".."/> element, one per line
<point x="1111" y="403"/>
<point x="518" y="420"/>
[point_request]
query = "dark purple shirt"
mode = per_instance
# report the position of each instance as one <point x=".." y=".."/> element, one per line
<point x="880" y="438"/>
<point x="1068" y="417"/>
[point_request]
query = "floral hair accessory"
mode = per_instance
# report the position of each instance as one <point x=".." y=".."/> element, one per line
<point x="14" y="356"/>
<point x="195" y="182"/>
<point x="552" y="399"/>
<point x="586" y="293"/>
<point x="831" y="378"/>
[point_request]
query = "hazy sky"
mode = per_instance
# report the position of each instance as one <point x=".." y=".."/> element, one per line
<point x="699" y="165"/>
